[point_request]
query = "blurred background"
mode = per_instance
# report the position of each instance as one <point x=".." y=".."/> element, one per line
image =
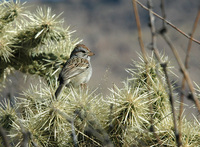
<point x="108" y="28"/>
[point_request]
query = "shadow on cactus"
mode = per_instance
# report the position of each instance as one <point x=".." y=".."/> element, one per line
<point x="7" y="115"/>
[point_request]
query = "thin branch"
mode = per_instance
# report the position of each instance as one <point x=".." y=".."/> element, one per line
<point x="162" y="6"/>
<point x="97" y="132"/>
<point x="181" y="65"/>
<point x="139" y="31"/>
<point x="190" y="41"/>
<point x="169" y="23"/>
<point x="154" y="48"/>
<point x="153" y="32"/>
<point x="104" y="137"/>
<point x="163" y="31"/>
<point x="183" y="70"/>
<point x="186" y="66"/>
<point x="164" y="66"/>
<point x="152" y="128"/>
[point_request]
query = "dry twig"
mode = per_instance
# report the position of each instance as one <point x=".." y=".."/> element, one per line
<point x="146" y="62"/>
<point x="169" y="23"/>
<point x="164" y="66"/>
<point x="186" y="66"/>
<point x="154" y="48"/>
<point x="139" y="31"/>
<point x="163" y="31"/>
<point x="183" y="70"/>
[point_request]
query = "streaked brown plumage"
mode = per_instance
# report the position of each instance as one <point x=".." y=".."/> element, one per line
<point x="77" y="70"/>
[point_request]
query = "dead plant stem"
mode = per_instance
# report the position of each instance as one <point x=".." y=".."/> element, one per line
<point x="186" y="66"/>
<point x="183" y="70"/>
<point x="146" y="63"/>
<point x="169" y="23"/>
<point x="163" y="32"/>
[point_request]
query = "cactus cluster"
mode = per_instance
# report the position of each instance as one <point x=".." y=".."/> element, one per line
<point x="80" y="117"/>
<point x="32" y="42"/>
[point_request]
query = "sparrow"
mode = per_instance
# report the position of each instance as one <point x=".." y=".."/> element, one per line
<point x="77" y="70"/>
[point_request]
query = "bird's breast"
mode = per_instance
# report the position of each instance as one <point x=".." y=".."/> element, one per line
<point x="82" y="78"/>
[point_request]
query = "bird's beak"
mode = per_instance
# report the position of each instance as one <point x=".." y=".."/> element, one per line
<point x="91" y="54"/>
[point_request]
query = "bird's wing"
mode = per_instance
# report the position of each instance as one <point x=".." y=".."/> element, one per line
<point x="73" y="67"/>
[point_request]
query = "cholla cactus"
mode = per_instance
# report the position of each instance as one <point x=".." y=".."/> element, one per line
<point x="36" y="41"/>
<point x="8" y="115"/>
<point x="130" y="121"/>
<point x="132" y="103"/>
<point x="32" y="43"/>
<point x="154" y="84"/>
<point x="53" y="122"/>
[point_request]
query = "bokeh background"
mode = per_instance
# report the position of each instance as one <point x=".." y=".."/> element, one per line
<point x="109" y="29"/>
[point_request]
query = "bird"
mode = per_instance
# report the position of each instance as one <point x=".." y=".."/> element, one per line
<point x="77" y="70"/>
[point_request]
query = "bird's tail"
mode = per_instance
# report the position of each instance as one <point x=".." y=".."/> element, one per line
<point x="59" y="90"/>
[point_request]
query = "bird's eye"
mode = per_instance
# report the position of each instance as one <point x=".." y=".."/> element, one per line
<point x="83" y="51"/>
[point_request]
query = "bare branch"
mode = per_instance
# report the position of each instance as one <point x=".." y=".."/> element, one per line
<point x="183" y="70"/>
<point x="190" y="41"/>
<point x="139" y="31"/>
<point x="97" y="132"/>
<point x="169" y="23"/>
<point x="163" y="32"/>
<point x="153" y="32"/>
<point x="186" y="66"/>
<point x="154" y="48"/>
<point x="172" y="103"/>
